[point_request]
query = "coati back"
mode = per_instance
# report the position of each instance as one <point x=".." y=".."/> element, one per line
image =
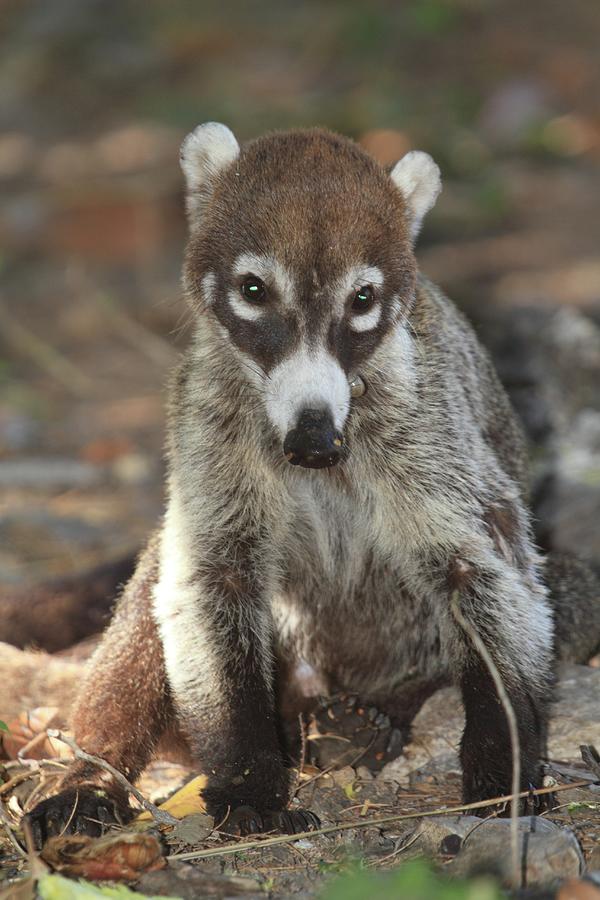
<point x="342" y="460"/>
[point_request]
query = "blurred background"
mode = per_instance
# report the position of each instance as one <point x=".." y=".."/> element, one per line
<point x="95" y="97"/>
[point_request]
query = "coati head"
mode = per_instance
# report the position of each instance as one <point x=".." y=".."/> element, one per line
<point x="301" y="247"/>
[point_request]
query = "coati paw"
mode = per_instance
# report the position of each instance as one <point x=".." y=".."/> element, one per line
<point x="532" y="805"/>
<point x="77" y="811"/>
<point x="245" y="820"/>
<point x="291" y="821"/>
<point x="370" y="739"/>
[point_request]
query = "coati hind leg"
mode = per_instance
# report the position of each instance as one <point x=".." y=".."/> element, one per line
<point x="121" y="711"/>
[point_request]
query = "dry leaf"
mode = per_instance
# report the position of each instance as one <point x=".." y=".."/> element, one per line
<point x="29" y="729"/>
<point x="55" y="887"/>
<point x="184" y="802"/>
<point x="23" y="889"/>
<point x="191" y="830"/>
<point x="120" y="857"/>
<point x="575" y="889"/>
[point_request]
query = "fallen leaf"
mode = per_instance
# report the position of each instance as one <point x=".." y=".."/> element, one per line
<point x="184" y="802"/>
<point x="575" y="889"/>
<point x="55" y="887"/>
<point x="23" y="889"/>
<point x="120" y="857"/>
<point x="30" y="729"/>
<point x="191" y="830"/>
<point x="350" y="791"/>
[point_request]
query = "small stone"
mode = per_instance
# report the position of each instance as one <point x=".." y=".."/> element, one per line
<point x="547" y="852"/>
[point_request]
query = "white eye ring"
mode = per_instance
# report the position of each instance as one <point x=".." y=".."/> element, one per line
<point x="366" y="321"/>
<point x="244" y="309"/>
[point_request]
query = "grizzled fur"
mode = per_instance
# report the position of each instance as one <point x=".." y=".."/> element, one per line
<point x="263" y="569"/>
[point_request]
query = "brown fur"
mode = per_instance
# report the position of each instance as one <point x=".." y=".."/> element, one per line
<point x="62" y="612"/>
<point x="123" y="705"/>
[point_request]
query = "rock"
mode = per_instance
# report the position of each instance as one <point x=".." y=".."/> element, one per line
<point x="547" y="852"/>
<point x="435" y="738"/>
<point x="186" y="881"/>
<point x="549" y="362"/>
<point x="571" y="508"/>
<point x="576" y="714"/>
<point x="437" y="728"/>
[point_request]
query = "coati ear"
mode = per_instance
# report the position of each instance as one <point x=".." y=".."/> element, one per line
<point x="205" y="152"/>
<point x="419" y="181"/>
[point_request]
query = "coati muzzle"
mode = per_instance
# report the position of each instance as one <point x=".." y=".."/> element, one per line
<point x="314" y="443"/>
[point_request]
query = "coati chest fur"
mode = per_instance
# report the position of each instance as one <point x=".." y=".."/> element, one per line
<point x="342" y="463"/>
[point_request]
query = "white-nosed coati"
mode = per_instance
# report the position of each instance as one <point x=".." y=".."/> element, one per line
<point x="342" y="457"/>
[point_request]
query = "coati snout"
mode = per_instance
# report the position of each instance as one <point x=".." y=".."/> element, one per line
<point x="314" y="443"/>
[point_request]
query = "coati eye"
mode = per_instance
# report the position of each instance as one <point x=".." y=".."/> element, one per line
<point x="363" y="299"/>
<point x="253" y="289"/>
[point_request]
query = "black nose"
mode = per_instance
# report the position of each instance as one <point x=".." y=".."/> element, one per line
<point x="314" y="442"/>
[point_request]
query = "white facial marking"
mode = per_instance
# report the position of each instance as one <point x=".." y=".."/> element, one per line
<point x="309" y="379"/>
<point x="209" y="285"/>
<point x="244" y="309"/>
<point x="366" y="321"/>
<point x="268" y="269"/>
<point x="394" y="304"/>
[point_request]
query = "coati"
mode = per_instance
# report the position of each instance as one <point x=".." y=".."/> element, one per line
<point x="342" y="459"/>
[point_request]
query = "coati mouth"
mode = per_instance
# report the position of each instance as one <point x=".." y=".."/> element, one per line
<point x="314" y="443"/>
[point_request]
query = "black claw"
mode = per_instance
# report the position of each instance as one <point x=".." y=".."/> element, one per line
<point x="246" y="820"/>
<point x="243" y="820"/>
<point x="292" y="821"/>
<point x="75" y="812"/>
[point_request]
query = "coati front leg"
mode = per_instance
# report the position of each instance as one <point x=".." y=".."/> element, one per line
<point x="122" y="708"/>
<point x="510" y="614"/>
<point x="212" y="605"/>
<point x="505" y="604"/>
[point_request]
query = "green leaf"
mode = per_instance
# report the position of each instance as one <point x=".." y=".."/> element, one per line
<point x="56" y="887"/>
<point x="350" y="791"/>
<point x="3" y="726"/>
<point x="413" y="881"/>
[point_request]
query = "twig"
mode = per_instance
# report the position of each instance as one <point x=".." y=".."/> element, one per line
<point x="135" y="333"/>
<point x="37" y="866"/>
<point x="377" y="862"/>
<point x="8" y="828"/>
<point x="513" y="729"/>
<point x="336" y="763"/>
<point x="31" y="745"/>
<point x="65" y="827"/>
<point x="367" y="823"/>
<point x="17" y="779"/>
<point x="159" y="815"/>
<point x="45" y="355"/>
<point x="302" y="760"/>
